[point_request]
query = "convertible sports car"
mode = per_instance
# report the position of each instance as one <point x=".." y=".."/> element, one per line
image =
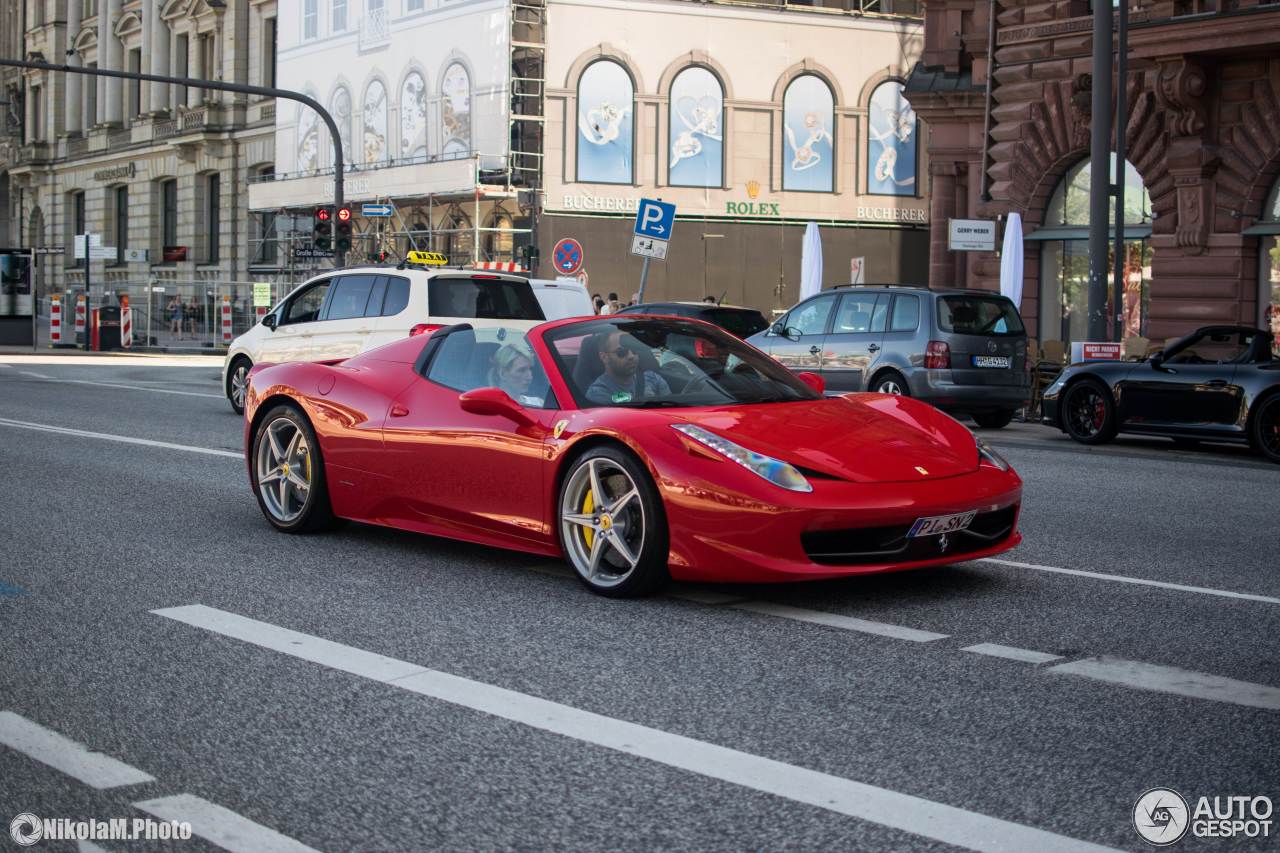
<point x="1220" y="383"/>
<point x="640" y="448"/>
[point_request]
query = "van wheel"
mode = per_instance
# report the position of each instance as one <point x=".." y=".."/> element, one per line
<point x="892" y="382"/>
<point x="238" y="383"/>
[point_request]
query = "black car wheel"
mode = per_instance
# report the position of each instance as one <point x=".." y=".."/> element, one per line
<point x="891" y="382"/>
<point x="238" y="384"/>
<point x="994" y="420"/>
<point x="1266" y="428"/>
<point x="1088" y="414"/>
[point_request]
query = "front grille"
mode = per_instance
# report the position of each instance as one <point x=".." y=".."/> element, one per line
<point x="868" y="545"/>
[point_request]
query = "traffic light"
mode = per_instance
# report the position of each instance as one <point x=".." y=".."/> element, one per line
<point x="529" y="257"/>
<point x="343" y="243"/>
<point x="322" y="229"/>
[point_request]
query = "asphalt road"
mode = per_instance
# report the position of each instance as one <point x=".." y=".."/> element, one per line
<point x="468" y="698"/>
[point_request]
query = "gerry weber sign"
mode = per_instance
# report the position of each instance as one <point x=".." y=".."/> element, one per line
<point x="971" y="235"/>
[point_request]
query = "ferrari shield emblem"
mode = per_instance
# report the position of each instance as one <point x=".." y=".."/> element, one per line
<point x="559" y="428"/>
<point x="921" y="471"/>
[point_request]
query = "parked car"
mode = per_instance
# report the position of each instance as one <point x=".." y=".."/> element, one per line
<point x="737" y="321"/>
<point x="1220" y="383"/>
<point x="964" y="351"/>
<point x="562" y="297"/>
<point x="577" y="439"/>
<point x="345" y="312"/>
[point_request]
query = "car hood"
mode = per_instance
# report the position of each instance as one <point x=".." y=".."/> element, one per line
<point x="864" y="438"/>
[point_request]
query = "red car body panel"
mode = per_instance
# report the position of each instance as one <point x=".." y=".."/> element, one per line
<point x="399" y="451"/>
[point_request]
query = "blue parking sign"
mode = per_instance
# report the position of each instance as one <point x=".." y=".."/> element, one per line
<point x="655" y="219"/>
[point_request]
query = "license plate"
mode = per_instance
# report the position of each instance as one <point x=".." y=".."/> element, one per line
<point x="991" y="361"/>
<point x="937" y="524"/>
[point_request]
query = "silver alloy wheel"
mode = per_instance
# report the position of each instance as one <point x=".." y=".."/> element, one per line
<point x="602" y="522"/>
<point x="889" y="386"/>
<point x="239" y="384"/>
<point x="284" y="469"/>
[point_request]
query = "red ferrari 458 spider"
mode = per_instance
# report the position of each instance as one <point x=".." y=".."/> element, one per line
<point x="640" y="448"/>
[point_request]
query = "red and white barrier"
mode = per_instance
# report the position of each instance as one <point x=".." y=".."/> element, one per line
<point x="226" y="320"/>
<point x="55" y="320"/>
<point x="82" y="313"/>
<point x="499" y="266"/>
<point x="126" y="322"/>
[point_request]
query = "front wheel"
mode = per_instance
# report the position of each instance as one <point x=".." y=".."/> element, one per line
<point x="1266" y="428"/>
<point x="238" y="383"/>
<point x="993" y="420"/>
<point x="288" y="473"/>
<point x="1088" y="415"/>
<point x="612" y="526"/>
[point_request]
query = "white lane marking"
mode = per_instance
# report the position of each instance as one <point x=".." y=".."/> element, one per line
<point x="6" y="366"/>
<point x="35" y="375"/>
<point x="834" y="620"/>
<point x="1223" y="593"/>
<point x="223" y="827"/>
<point x="97" y="384"/>
<point x="88" y="847"/>
<point x="908" y="813"/>
<point x="126" y="439"/>
<point x="1169" y="679"/>
<point x="996" y="650"/>
<point x="63" y="754"/>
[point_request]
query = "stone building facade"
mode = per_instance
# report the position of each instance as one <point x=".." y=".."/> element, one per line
<point x="1203" y="151"/>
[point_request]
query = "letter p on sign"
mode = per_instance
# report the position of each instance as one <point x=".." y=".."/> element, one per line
<point x="655" y="219"/>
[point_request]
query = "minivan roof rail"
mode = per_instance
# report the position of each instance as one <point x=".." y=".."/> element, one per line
<point x="897" y="284"/>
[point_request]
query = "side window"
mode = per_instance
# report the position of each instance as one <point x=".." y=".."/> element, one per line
<point x="906" y="313"/>
<point x="373" y="308"/>
<point x="881" y="314"/>
<point x="811" y="318"/>
<point x="350" y="295"/>
<point x="856" y="313"/>
<point x="491" y="358"/>
<point x="397" y="298"/>
<point x="305" y="307"/>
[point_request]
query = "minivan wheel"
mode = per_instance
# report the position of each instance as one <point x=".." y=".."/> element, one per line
<point x="994" y="420"/>
<point x="238" y="383"/>
<point x="891" y="382"/>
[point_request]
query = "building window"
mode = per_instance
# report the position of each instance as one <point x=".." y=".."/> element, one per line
<point x="414" y="6"/>
<point x="339" y="16"/>
<point x="1268" y="227"/>
<point x="183" y="65"/>
<point x="77" y="212"/>
<point x="605" y="137"/>
<point x="1064" y="258"/>
<point x="413" y="117"/>
<point x="264" y="253"/>
<point x="310" y="19"/>
<point x="90" y="99"/>
<point x="455" y="110"/>
<point x="808" y="118"/>
<point x="269" y="52"/>
<point x="169" y="213"/>
<point x="891" y="142"/>
<point x="376" y="6"/>
<point x="89" y="9"/>
<point x="213" y="224"/>
<point x="121" y="223"/>
<point x="33" y="132"/>
<point x="695" y="156"/>
<point x="340" y="109"/>
<point x="135" y="86"/>
<point x="499" y="244"/>
<point x="374" y="116"/>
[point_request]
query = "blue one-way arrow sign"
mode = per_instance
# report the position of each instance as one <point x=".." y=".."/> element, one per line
<point x="376" y="210"/>
<point x="655" y="219"/>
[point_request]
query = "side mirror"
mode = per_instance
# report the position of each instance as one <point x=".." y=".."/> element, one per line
<point x="814" y="381"/>
<point x="269" y="321"/>
<point x="791" y="333"/>
<point x="493" y="401"/>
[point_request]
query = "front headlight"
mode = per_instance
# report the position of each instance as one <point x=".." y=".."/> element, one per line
<point x="987" y="452"/>
<point x="776" y="471"/>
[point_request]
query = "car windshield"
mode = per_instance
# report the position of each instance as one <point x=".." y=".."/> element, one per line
<point x="979" y="315"/>
<point x="1218" y="347"/>
<point x="651" y="363"/>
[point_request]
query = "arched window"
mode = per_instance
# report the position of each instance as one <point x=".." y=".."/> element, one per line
<point x="374" y="115"/>
<point x="455" y="110"/>
<point x="340" y="109"/>
<point x="499" y="245"/>
<point x="605" y="138"/>
<point x="695" y="157"/>
<point x="1268" y="227"/>
<point x="891" y="142"/>
<point x="308" y="139"/>
<point x="808" y="118"/>
<point x="413" y="117"/>
<point x="1064" y="257"/>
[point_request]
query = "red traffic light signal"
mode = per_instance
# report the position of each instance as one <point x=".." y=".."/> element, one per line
<point x="323" y="214"/>
<point x="344" y="214"/>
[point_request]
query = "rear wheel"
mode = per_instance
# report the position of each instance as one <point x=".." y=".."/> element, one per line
<point x="1088" y="414"/>
<point x="994" y="420"/>
<point x="612" y="526"/>
<point x="891" y="382"/>
<point x="1266" y="428"/>
<point x="288" y="473"/>
<point x="238" y="383"/>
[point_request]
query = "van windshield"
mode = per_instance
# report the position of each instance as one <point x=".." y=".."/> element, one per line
<point x="979" y="315"/>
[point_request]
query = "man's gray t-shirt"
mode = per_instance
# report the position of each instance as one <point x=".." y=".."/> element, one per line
<point x="604" y="389"/>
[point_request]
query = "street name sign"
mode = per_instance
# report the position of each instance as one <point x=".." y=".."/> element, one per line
<point x="310" y="252"/>
<point x="971" y="235"/>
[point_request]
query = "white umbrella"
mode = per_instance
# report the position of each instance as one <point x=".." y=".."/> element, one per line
<point x="1011" y="261"/>
<point x="811" y="262"/>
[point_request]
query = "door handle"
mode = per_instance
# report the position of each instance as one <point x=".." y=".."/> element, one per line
<point x="398" y="411"/>
<point x="814" y="350"/>
<point x="1217" y="383"/>
<point x="873" y="348"/>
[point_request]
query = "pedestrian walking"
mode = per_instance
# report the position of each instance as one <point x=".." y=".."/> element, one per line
<point x="597" y="302"/>
<point x="175" y="316"/>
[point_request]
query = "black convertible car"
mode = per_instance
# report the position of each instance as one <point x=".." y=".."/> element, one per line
<point x="1220" y="383"/>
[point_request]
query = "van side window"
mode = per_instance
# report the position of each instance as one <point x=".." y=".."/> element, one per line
<point x="906" y="313"/>
<point x="397" y="298"/>
<point x="350" y="295"/>
<point x="373" y="308"/>
<point x="305" y="307"/>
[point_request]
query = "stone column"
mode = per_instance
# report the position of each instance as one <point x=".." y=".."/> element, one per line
<point x="941" y="208"/>
<point x="109" y="55"/>
<point x="73" y="107"/>
<point x="195" y="50"/>
<point x="159" y="57"/>
<point x="148" y="34"/>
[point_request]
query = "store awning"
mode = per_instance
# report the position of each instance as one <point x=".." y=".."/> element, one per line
<point x="1131" y="232"/>
<point x="1262" y="229"/>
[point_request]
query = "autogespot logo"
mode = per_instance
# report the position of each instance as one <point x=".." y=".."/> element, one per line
<point x="26" y="829"/>
<point x="1160" y="816"/>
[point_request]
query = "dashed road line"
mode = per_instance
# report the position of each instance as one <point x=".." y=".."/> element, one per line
<point x="221" y="826"/>
<point x="1223" y="593"/>
<point x="882" y="806"/>
<point x="125" y="439"/>
<point x="98" y="384"/>
<point x="835" y="620"/>
<point x="995" y="650"/>
<point x="63" y="754"/>
<point x="34" y="375"/>
<point x="1169" y="679"/>
<point x="6" y="590"/>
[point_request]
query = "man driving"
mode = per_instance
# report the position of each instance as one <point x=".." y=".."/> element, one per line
<point x="623" y="381"/>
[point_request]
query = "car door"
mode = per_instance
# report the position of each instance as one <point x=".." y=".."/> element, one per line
<point x="1194" y="386"/>
<point x="296" y="324"/>
<point x="477" y="474"/>
<point x="799" y="345"/>
<point x="344" y="329"/>
<point x="854" y="340"/>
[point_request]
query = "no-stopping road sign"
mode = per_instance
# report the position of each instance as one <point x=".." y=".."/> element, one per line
<point x="568" y="256"/>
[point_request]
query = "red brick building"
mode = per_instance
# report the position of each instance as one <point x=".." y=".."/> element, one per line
<point x="1203" y="152"/>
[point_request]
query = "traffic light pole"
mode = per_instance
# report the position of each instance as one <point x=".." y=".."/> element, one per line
<point x="242" y="88"/>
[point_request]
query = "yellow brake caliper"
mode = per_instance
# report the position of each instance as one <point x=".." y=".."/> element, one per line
<point x="588" y="504"/>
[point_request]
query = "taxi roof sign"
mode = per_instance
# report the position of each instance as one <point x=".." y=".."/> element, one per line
<point x="433" y="259"/>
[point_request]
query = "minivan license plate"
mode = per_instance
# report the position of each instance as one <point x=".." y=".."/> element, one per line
<point x="991" y="361"/>
<point x="941" y="524"/>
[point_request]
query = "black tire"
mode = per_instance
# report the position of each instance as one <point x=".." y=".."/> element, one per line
<point x="891" y="382"/>
<point x="1265" y="434"/>
<point x="240" y="365"/>
<point x="1088" y="412"/>
<point x="994" y="420"/>
<point x="650" y="570"/>
<point x="315" y="513"/>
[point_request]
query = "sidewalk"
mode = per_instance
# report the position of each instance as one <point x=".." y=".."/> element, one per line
<point x="47" y="355"/>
